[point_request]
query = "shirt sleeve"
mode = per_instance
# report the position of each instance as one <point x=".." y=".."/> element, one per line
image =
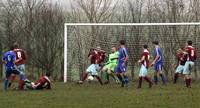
<point x="125" y="52"/>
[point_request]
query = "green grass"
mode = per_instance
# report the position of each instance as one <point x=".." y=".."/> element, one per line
<point x="93" y="95"/>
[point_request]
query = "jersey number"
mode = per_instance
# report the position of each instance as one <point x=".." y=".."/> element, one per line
<point x="192" y="53"/>
<point x="19" y="55"/>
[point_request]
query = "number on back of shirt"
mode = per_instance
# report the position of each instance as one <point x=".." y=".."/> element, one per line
<point x="19" y="55"/>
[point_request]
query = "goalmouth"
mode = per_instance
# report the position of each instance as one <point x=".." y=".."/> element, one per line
<point x="66" y="25"/>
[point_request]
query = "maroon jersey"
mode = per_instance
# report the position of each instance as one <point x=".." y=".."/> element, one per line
<point x="20" y="54"/>
<point x="43" y="82"/>
<point x="94" y="56"/>
<point x="182" y="58"/>
<point x="146" y="56"/>
<point x="192" y="55"/>
<point x="102" y="56"/>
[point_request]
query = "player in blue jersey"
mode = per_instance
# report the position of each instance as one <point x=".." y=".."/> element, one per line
<point x="9" y="59"/>
<point x="158" y="63"/>
<point x="122" y="64"/>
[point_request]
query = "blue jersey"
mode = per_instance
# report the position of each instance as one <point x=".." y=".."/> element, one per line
<point x="158" y="52"/>
<point x="123" y="54"/>
<point x="9" y="57"/>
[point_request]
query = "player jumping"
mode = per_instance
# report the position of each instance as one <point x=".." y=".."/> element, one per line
<point x="122" y="64"/>
<point x="144" y="67"/>
<point x="9" y="59"/>
<point x="191" y="57"/>
<point x="158" y="63"/>
<point x="111" y="65"/>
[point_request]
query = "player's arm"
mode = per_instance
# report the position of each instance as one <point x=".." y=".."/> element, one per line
<point x="142" y="59"/>
<point x="126" y="56"/>
<point x="156" y="58"/>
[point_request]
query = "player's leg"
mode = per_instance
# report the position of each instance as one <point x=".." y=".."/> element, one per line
<point x="105" y="74"/>
<point x="178" y="71"/>
<point x="141" y="75"/>
<point x="155" y="74"/>
<point x="21" y="69"/>
<point x="161" y="74"/>
<point x="7" y="77"/>
<point x="186" y="72"/>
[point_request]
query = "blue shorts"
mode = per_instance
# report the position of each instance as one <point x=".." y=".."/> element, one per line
<point x="9" y="72"/>
<point x="158" y="67"/>
<point x="187" y="67"/>
<point x="93" y="69"/>
<point x="120" y="68"/>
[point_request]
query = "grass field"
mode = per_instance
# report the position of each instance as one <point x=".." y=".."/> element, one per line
<point x="93" y="95"/>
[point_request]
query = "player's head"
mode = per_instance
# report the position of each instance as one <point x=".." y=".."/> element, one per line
<point x="16" y="45"/>
<point x="145" y="46"/>
<point x="114" y="49"/>
<point x="48" y="74"/>
<point x="189" y="42"/>
<point x="122" y="42"/>
<point x="11" y="48"/>
<point x="155" y="42"/>
<point x="98" y="48"/>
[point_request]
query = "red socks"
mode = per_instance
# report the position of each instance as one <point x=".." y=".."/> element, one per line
<point x="21" y="84"/>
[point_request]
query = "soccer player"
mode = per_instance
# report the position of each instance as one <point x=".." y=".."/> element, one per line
<point x="122" y="64"/>
<point x="21" y="57"/>
<point x="144" y="67"/>
<point x="191" y="57"/>
<point x="158" y="63"/>
<point x="9" y="59"/>
<point x="181" y="57"/>
<point x="43" y="83"/>
<point x="111" y="65"/>
<point x="92" y="70"/>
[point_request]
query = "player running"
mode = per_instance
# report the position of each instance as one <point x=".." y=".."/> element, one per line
<point x="122" y="64"/>
<point x="111" y="65"/>
<point x="144" y="67"/>
<point x="158" y="63"/>
<point x="43" y="83"/>
<point x="9" y="59"/>
<point x="21" y="57"/>
<point x="181" y="57"/>
<point x="191" y="57"/>
<point x="95" y="58"/>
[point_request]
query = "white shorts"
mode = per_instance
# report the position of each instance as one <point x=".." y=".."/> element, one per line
<point x="188" y="65"/>
<point x="93" y="69"/>
<point x="143" y="71"/>
<point x="180" y="69"/>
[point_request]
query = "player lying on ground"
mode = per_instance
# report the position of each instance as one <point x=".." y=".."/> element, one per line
<point x="181" y="57"/>
<point x="43" y="83"/>
<point x="158" y="63"/>
<point x="110" y="66"/>
<point x="144" y="67"/>
<point x="95" y="57"/>
<point x="9" y="59"/>
<point x="20" y="64"/>
<point x="122" y="64"/>
<point x="191" y="57"/>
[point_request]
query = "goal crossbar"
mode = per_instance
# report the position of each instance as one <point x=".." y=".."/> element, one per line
<point x="114" y="24"/>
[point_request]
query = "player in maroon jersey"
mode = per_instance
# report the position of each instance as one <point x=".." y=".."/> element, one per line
<point x="144" y="67"/>
<point x="191" y="57"/>
<point x="96" y="58"/>
<point x="43" y="83"/>
<point x="21" y="57"/>
<point x="181" y="57"/>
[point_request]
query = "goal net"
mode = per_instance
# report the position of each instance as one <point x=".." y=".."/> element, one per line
<point x="81" y="37"/>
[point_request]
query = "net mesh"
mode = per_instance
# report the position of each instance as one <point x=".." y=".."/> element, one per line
<point x="82" y="38"/>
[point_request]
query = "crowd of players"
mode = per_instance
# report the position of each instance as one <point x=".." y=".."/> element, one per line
<point x="116" y="66"/>
<point x="14" y="61"/>
<point x="117" y="63"/>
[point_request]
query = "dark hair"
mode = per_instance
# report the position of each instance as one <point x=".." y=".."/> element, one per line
<point x="155" y="42"/>
<point x="11" y="48"/>
<point x="15" y="45"/>
<point x="48" y="74"/>
<point x="189" y="42"/>
<point x="122" y="42"/>
<point x="145" y="46"/>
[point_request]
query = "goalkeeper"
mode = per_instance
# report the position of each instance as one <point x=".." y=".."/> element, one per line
<point x="110" y="66"/>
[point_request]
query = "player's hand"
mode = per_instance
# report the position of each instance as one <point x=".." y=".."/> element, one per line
<point x="152" y="64"/>
<point x="139" y="61"/>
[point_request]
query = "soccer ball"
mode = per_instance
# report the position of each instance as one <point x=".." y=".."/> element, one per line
<point x="90" y="78"/>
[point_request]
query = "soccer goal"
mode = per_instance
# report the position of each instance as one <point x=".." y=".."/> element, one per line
<point x="80" y="37"/>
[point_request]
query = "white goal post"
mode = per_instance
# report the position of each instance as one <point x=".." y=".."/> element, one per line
<point x="112" y="24"/>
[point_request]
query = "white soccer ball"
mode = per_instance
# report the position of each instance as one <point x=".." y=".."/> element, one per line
<point x="90" y="78"/>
